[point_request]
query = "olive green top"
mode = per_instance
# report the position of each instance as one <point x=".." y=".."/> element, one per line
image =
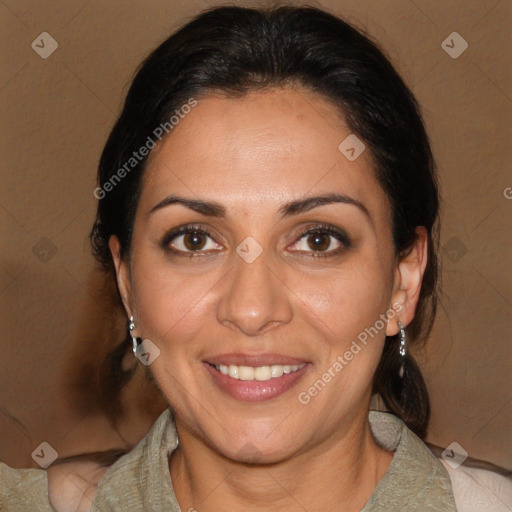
<point x="140" y="480"/>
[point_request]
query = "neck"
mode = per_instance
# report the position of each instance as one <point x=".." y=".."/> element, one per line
<point x="339" y="474"/>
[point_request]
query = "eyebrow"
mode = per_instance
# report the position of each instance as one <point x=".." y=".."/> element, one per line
<point x="214" y="209"/>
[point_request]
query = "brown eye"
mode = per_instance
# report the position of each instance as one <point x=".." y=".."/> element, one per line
<point x="318" y="241"/>
<point x="322" y="240"/>
<point x="194" y="241"/>
<point x="190" y="240"/>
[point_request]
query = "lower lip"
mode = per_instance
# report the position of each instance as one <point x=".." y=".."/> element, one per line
<point x="255" y="390"/>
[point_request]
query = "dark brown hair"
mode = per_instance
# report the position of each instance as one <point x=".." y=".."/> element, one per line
<point x="235" y="50"/>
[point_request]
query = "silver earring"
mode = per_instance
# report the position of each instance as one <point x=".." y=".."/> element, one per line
<point x="402" y="349"/>
<point x="135" y="341"/>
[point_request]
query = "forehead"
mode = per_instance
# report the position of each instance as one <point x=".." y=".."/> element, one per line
<point x="266" y="147"/>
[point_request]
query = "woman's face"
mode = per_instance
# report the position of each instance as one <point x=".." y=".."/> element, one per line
<point x="251" y="288"/>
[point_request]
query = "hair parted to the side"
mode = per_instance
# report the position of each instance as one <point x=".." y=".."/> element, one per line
<point x="236" y="50"/>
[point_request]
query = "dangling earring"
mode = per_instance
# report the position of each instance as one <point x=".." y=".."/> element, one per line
<point x="135" y="341"/>
<point x="402" y="349"/>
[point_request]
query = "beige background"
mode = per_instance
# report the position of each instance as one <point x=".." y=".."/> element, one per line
<point x="56" y="320"/>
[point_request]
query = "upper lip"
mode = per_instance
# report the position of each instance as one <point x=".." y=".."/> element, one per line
<point x="255" y="360"/>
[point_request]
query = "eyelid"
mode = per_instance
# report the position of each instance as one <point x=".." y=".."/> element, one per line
<point x="321" y="227"/>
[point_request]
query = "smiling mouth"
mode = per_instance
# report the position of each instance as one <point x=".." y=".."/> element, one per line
<point x="258" y="373"/>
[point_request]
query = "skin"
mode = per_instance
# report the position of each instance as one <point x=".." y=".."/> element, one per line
<point x="72" y="485"/>
<point x="252" y="155"/>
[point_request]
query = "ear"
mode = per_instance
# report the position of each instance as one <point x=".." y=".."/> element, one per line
<point x="122" y="274"/>
<point x="408" y="278"/>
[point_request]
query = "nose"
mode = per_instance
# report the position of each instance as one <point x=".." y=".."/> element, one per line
<point x="254" y="299"/>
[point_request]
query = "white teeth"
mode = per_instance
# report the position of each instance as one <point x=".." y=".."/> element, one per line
<point x="233" y="371"/>
<point x="260" y="373"/>
<point x="276" y="370"/>
<point x="246" y="373"/>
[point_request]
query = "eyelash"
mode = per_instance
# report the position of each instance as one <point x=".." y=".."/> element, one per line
<point x="184" y="230"/>
<point x="341" y="236"/>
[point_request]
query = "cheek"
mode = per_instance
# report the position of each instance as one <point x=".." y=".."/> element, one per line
<point x="347" y="300"/>
<point x="172" y="309"/>
<point x="344" y="315"/>
<point x="170" y="305"/>
<point x="345" y="309"/>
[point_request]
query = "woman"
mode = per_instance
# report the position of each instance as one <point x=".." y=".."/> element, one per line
<point x="268" y="204"/>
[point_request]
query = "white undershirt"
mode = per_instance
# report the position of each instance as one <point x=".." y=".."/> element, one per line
<point x="479" y="490"/>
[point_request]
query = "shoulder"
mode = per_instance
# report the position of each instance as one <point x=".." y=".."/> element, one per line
<point x="480" y="486"/>
<point x="23" y="489"/>
<point x="95" y="479"/>
<point x="73" y="481"/>
<point x="478" y="489"/>
<point x="69" y="484"/>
